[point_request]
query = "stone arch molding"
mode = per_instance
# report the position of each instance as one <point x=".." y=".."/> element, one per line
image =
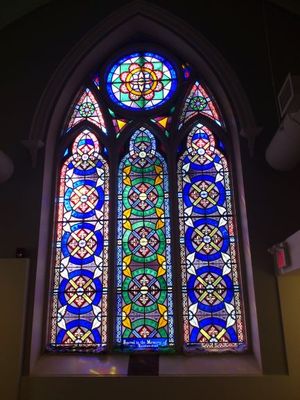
<point x="111" y="33"/>
<point x="93" y="49"/>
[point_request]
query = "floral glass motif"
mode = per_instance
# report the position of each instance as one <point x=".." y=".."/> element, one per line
<point x="144" y="277"/>
<point x="87" y="109"/>
<point x="141" y="81"/>
<point x="79" y="293"/>
<point x="198" y="102"/>
<point x="212" y="304"/>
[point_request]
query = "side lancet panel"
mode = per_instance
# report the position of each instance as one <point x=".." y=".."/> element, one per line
<point x="211" y="282"/>
<point x="78" y="310"/>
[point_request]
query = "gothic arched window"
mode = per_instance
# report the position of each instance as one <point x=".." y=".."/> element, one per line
<point x="145" y="245"/>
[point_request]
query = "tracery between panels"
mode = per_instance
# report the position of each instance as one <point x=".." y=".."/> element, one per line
<point x="139" y="101"/>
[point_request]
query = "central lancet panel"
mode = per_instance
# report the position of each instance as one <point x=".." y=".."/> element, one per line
<point x="144" y="278"/>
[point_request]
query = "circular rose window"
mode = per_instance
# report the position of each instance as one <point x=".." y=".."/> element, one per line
<point x="141" y="81"/>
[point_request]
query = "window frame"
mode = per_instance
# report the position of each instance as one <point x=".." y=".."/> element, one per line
<point x="251" y="361"/>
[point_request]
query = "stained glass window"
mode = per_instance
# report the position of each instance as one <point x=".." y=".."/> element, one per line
<point x="144" y="277"/>
<point x="212" y="305"/>
<point x="137" y="102"/>
<point x="141" y="81"/>
<point x="79" y="294"/>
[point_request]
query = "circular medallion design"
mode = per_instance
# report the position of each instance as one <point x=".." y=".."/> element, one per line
<point x="142" y="151"/>
<point x="144" y="290"/>
<point x="198" y="103"/>
<point x="86" y="156"/>
<point x="213" y="330"/>
<point x="84" y="198"/>
<point x="141" y="161"/>
<point x="204" y="194"/>
<point x="207" y="239"/>
<point x="143" y="197"/>
<point x="145" y="328"/>
<point x="86" y="109"/>
<point x="82" y="243"/>
<point x="141" y="81"/>
<point x="210" y="289"/>
<point x="144" y="242"/>
<point x="79" y="332"/>
<point x="80" y="291"/>
<point x="201" y="148"/>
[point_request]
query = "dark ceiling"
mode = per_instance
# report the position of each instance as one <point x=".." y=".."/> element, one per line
<point x="11" y="10"/>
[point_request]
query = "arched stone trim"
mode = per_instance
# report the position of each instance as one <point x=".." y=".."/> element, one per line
<point x="95" y="47"/>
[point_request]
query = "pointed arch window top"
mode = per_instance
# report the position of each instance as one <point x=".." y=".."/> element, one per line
<point x="141" y="81"/>
<point x="142" y="147"/>
<point x="87" y="109"/>
<point x="199" y="102"/>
